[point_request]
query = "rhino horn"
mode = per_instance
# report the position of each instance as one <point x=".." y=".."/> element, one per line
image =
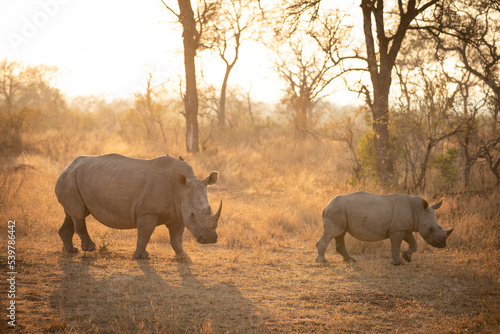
<point x="447" y="233"/>
<point x="216" y="216"/>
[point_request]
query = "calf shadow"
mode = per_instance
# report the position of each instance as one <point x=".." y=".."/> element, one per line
<point x="91" y="298"/>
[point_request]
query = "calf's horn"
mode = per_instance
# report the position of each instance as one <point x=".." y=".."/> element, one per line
<point x="216" y="216"/>
<point x="447" y="233"/>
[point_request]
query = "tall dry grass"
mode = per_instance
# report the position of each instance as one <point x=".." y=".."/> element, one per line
<point x="274" y="187"/>
<point x="261" y="275"/>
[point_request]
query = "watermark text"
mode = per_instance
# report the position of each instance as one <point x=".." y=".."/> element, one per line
<point x="30" y="26"/>
<point x="11" y="273"/>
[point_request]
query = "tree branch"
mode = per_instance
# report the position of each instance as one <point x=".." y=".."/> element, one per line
<point x="171" y="10"/>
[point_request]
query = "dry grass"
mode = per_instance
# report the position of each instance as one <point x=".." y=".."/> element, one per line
<point x="261" y="276"/>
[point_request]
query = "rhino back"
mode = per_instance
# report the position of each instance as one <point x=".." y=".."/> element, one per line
<point x="372" y="217"/>
<point x="116" y="189"/>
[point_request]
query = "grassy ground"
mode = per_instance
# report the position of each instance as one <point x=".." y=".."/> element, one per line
<point x="261" y="275"/>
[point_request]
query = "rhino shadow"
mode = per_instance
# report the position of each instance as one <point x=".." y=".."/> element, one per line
<point x="89" y="300"/>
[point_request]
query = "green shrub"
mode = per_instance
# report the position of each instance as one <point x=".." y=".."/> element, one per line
<point x="445" y="165"/>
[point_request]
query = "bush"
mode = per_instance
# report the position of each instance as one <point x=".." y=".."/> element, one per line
<point x="367" y="157"/>
<point x="445" y="165"/>
<point x="11" y="126"/>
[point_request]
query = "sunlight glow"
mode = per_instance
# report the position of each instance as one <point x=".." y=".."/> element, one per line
<point x="108" y="47"/>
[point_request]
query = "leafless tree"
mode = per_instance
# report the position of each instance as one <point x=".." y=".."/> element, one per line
<point x="424" y="116"/>
<point x="344" y="131"/>
<point x="149" y="110"/>
<point x="306" y="77"/>
<point x="384" y="31"/>
<point x="305" y="68"/>
<point x="28" y="98"/>
<point x="228" y="30"/>
<point x="469" y="30"/>
<point x="193" y="28"/>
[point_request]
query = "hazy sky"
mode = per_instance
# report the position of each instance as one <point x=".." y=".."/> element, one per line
<point x="108" y="47"/>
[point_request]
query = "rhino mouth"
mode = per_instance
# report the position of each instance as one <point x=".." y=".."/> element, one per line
<point x="207" y="239"/>
<point x="439" y="244"/>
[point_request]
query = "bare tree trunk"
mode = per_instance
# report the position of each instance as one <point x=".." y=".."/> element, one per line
<point x="249" y="104"/>
<point x="381" y="82"/>
<point x="301" y="117"/>
<point x="496" y="171"/>
<point x="162" y="131"/>
<point x="432" y="143"/>
<point x="380" y="111"/>
<point x="222" y="105"/>
<point x="423" y="165"/>
<point x="191" y="41"/>
<point x="380" y="64"/>
<point x="488" y="153"/>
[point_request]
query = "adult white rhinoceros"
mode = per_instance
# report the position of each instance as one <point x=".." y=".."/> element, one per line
<point x="127" y="193"/>
<point x="370" y="217"/>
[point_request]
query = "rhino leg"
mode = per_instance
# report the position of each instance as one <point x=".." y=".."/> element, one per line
<point x="342" y="249"/>
<point x="145" y="227"/>
<point x="396" y="239"/>
<point x="412" y="243"/>
<point x="81" y="229"/>
<point x="333" y="228"/>
<point x="66" y="233"/>
<point x="176" y="231"/>
<point x="321" y="245"/>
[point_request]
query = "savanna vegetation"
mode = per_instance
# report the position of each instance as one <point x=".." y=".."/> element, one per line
<point x="279" y="166"/>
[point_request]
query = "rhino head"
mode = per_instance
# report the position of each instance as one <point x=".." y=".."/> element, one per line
<point x="428" y="227"/>
<point x="197" y="215"/>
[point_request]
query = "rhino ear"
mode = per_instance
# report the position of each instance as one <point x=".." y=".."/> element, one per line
<point x="425" y="204"/>
<point x="211" y="179"/>
<point x="181" y="178"/>
<point x="437" y="205"/>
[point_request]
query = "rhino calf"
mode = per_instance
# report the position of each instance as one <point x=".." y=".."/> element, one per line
<point x="127" y="193"/>
<point x="370" y="217"/>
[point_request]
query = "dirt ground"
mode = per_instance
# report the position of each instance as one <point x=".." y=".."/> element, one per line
<point x="250" y="290"/>
<point x="260" y="277"/>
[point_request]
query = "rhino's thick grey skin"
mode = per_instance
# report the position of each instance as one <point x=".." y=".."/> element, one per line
<point x="370" y="217"/>
<point x="127" y="193"/>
